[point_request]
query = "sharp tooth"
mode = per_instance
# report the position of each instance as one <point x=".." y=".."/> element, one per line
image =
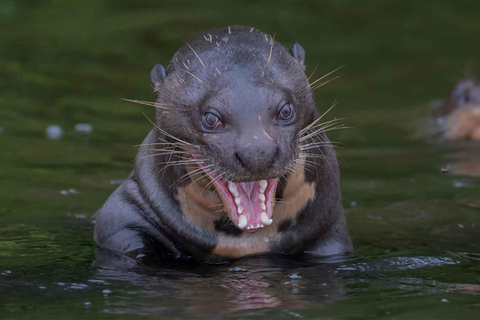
<point x="262" y="205"/>
<point x="265" y="219"/>
<point x="261" y="196"/>
<point x="263" y="185"/>
<point x="242" y="221"/>
<point x="238" y="200"/>
<point x="233" y="188"/>
<point x="240" y="209"/>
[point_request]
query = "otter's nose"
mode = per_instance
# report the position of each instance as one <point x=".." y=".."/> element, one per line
<point x="257" y="155"/>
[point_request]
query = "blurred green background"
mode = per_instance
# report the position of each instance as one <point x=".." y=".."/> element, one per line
<point x="71" y="61"/>
<point x="66" y="62"/>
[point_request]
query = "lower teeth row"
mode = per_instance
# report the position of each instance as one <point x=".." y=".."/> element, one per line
<point x="255" y="227"/>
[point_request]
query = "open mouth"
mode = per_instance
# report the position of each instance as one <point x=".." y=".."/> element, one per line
<point x="249" y="204"/>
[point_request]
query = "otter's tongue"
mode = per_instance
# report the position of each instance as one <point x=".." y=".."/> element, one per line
<point x="252" y="205"/>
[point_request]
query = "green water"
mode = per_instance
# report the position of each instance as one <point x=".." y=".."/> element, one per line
<point x="416" y="230"/>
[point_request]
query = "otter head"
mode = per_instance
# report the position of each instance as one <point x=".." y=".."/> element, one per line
<point x="462" y="109"/>
<point x="234" y="101"/>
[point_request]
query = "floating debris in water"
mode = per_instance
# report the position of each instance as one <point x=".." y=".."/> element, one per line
<point x="4" y="273"/>
<point x="96" y="281"/>
<point x="353" y="204"/>
<point x="84" y="128"/>
<point x="54" y="132"/>
<point x="294" y="276"/>
<point x="87" y="304"/>
<point x="107" y="291"/>
<point x="291" y="313"/>
<point x="69" y="191"/>
<point x="461" y="226"/>
<point x="77" y="287"/>
<point x="444" y="300"/>
<point x="459" y="184"/>
<point x="369" y="216"/>
<point x="42" y="287"/>
<point x="238" y="269"/>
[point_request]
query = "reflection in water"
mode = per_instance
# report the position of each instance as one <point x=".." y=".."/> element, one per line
<point x="257" y="283"/>
<point x="467" y="288"/>
<point x="466" y="162"/>
<point x="399" y="264"/>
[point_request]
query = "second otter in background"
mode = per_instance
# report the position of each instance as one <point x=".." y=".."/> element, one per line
<point x="459" y="114"/>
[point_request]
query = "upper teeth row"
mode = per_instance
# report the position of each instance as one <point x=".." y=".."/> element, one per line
<point x="233" y="188"/>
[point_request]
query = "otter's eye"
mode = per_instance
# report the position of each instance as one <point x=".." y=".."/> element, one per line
<point x="286" y="112"/>
<point x="211" y="121"/>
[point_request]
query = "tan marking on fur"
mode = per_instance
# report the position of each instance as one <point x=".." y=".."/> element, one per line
<point x="464" y="124"/>
<point x="296" y="194"/>
<point x="199" y="204"/>
<point x="465" y="168"/>
<point x="199" y="178"/>
<point x="235" y="247"/>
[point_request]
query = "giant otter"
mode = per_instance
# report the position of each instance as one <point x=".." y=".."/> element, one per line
<point x="238" y="162"/>
<point x="459" y="114"/>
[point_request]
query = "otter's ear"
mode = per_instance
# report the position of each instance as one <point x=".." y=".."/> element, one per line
<point x="158" y="73"/>
<point x="298" y="53"/>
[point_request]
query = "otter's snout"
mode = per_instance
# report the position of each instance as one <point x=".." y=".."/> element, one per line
<point x="257" y="155"/>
